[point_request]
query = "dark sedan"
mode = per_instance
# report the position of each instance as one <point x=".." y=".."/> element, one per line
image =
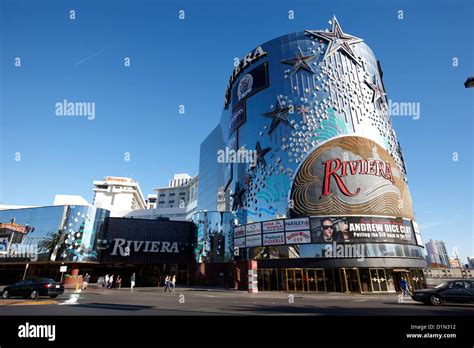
<point x="459" y="290"/>
<point x="33" y="288"/>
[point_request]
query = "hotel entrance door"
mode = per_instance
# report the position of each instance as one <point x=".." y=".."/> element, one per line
<point x="294" y="280"/>
<point x="378" y="279"/>
<point x="315" y="279"/>
<point x="350" y="281"/>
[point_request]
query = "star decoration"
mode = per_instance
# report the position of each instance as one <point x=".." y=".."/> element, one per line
<point x="338" y="40"/>
<point x="303" y="110"/>
<point x="300" y="62"/>
<point x="375" y="87"/>
<point x="237" y="196"/>
<point x="278" y="115"/>
<point x="260" y="160"/>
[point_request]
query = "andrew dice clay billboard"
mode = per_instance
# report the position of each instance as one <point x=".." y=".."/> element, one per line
<point x="350" y="175"/>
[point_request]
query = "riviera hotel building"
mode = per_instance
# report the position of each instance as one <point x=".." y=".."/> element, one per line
<point x="321" y="203"/>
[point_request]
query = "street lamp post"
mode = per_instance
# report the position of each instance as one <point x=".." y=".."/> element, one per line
<point x="469" y="82"/>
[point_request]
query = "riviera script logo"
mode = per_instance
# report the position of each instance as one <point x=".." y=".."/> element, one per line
<point x="337" y="169"/>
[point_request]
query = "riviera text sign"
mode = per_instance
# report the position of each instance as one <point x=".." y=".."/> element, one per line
<point x="244" y="63"/>
<point x="123" y="247"/>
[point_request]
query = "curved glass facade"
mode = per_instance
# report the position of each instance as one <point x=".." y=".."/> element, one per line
<point x="56" y="233"/>
<point x="311" y="111"/>
<point x="214" y="236"/>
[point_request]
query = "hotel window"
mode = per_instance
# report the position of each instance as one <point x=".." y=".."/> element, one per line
<point x="162" y="195"/>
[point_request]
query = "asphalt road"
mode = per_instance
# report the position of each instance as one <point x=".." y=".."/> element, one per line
<point x="198" y="301"/>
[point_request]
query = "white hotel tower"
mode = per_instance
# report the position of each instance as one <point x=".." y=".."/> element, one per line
<point x="119" y="195"/>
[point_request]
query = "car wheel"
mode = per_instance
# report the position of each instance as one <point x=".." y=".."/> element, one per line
<point x="34" y="295"/>
<point x="53" y="296"/>
<point x="6" y="294"/>
<point x="435" y="300"/>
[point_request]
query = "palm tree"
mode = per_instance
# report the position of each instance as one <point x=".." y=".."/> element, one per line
<point x="51" y="243"/>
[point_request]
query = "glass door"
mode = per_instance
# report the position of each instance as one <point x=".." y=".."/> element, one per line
<point x="290" y="280"/>
<point x="349" y="279"/>
<point x="353" y="279"/>
<point x="311" y="280"/>
<point x="299" y="285"/>
<point x="378" y="280"/>
<point x="321" y="280"/>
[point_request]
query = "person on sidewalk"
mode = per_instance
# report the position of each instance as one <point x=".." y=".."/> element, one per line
<point x="119" y="282"/>
<point x="404" y="286"/>
<point x="167" y="283"/>
<point x="107" y="281"/>
<point x="85" y="281"/>
<point x="111" y="281"/>
<point x="132" y="281"/>
<point x="173" y="282"/>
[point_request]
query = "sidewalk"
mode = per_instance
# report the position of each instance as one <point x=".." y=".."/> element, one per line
<point x="242" y="293"/>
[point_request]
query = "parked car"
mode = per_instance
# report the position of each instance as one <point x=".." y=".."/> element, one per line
<point x="33" y="288"/>
<point x="458" y="290"/>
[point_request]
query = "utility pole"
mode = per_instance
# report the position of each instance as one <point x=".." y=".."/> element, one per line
<point x="26" y="268"/>
<point x="459" y="262"/>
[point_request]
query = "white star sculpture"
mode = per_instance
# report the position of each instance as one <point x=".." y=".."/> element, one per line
<point x="338" y="40"/>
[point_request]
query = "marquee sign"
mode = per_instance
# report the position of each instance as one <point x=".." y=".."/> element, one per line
<point x="253" y="241"/>
<point x="13" y="227"/>
<point x="239" y="231"/>
<point x="274" y="239"/>
<point x="350" y="175"/>
<point x="254" y="228"/>
<point x="273" y="226"/>
<point x="352" y="229"/>
<point x="362" y="229"/>
<point x="297" y="224"/>
<point x="298" y="237"/>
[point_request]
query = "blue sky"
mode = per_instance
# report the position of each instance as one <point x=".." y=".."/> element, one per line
<point x="188" y="62"/>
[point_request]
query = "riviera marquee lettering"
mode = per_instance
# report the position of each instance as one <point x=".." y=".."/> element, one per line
<point x="337" y="169"/>
<point x="124" y="246"/>
<point x="248" y="59"/>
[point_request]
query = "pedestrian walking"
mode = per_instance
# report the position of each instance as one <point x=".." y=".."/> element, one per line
<point x="173" y="282"/>
<point x="85" y="281"/>
<point x="107" y="281"/>
<point x="119" y="282"/>
<point x="404" y="286"/>
<point x="167" y="283"/>
<point x="111" y="281"/>
<point x="132" y="282"/>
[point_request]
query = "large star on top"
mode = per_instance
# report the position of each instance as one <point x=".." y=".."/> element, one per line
<point x="300" y="62"/>
<point x="375" y="87"/>
<point x="237" y="196"/>
<point x="338" y="40"/>
<point x="279" y="114"/>
<point x="261" y="155"/>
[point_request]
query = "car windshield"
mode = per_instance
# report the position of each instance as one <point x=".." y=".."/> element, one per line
<point x="443" y="284"/>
